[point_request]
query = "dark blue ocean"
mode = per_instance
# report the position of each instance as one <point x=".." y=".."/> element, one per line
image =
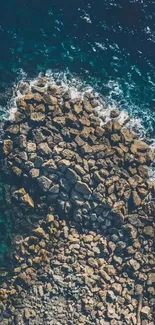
<point x="109" y="44"/>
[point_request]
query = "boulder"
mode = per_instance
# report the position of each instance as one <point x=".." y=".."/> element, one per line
<point x="83" y="188"/>
<point x="136" y="199"/>
<point x="44" y="149"/>
<point x="37" y="117"/>
<point x="7" y="146"/>
<point x="50" y="166"/>
<point x="63" y="165"/>
<point x="50" y="100"/>
<point x="71" y="176"/>
<point x="44" y="182"/>
<point x="31" y="147"/>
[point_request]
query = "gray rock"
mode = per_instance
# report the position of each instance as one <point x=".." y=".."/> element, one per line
<point x="71" y="176"/>
<point x="63" y="165"/>
<point x="82" y="188"/>
<point x="49" y="166"/>
<point x="44" y="149"/>
<point x="45" y="183"/>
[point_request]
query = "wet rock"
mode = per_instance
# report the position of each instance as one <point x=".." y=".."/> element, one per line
<point x="50" y="100"/>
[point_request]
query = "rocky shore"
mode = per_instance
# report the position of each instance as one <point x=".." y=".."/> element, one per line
<point x="82" y="208"/>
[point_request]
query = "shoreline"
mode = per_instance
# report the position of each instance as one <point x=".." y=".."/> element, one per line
<point x="64" y="161"/>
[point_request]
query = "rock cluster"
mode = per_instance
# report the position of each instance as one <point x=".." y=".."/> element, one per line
<point x="63" y="276"/>
<point x="59" y="150"/>
<point x="80" y="191"/>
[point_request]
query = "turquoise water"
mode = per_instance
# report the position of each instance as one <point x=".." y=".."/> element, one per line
<point x="107" y="44"/>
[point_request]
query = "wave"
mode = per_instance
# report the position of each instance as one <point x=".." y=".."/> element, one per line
<point x="106" y="105"/>
<point x="78" y="87"/>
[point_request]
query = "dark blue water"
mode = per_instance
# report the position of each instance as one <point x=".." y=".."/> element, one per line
<point x="109" y="44"/>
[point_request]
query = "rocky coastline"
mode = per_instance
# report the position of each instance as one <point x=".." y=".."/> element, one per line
<point x="82" y="209"/>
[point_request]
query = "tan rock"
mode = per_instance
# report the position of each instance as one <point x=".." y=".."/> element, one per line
<point x="31" y="147"/>
<point x="13" y="129"/>
<point x="88" y="238"/>
<point x="136" y="199"/>
<point x="34" y="172"/>
<point x="149" y="231"/>
<point x="28" y="200"/>
<point x="17" y="170"/>
<point x="50" y="218"/>
<point x="37" y="259"/>
<point x="127" y="136"/>
<point x="39" y="231"/>
<point x="7" y="146"/>
<point x="139" y="147"/>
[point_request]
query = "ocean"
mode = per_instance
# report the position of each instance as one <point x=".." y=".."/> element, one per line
<point x="106" y="45"/>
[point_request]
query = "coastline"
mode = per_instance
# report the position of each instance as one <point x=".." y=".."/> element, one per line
<point x="91" y="176"/>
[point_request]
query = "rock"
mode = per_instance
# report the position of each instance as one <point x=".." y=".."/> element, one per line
<point x="71" y="176"/>
<point x="28" y="200"/>
<point x="117" y="287"/>
<point x="38" y="161"/>
<point x="24" y="128"/>
<point x="139" y="147"/>
<point x="43" y="149"/>
<point x="79" y="141"/>
<point x="17" y="171"/>
<point x="50" y="166"/>
<point x="77" y="108"/>
<point x="50" y="218"/>
<point x="145" y="311"/>
<point x="23" y="196"/>
<point x="44" y="182"/>
<point x="114" y="113"/>
<point x="38" y="136"/>
<point x="13" y="129"/>
<point x="39" y="232"/>
<point x="54" y="189"/>
<point x="88" y="239"/>
<point x="86" y="149"/>
<point x="151" y="278"/>
<point x="31" y="147"/>
<point x="22" y="141"/>
<point x="143" y="171"/>
<point x="63" y="165"/>
<point x="37" y="116"/>
<point x="135" y="265"/>
<point x="50" y="100"/>
<point x="34" y="172"/>
<point x="77" y="199"/>
<point x="7" y="146"/>
<point x="104" y="275"/>
<point x="27" y="313"/>
<point x="136" y="199"/>
<point x="83" y="188"/>
<point x="127" y="136"/>
<point x="149" y="231"/>
<point x="37" y="89"/>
